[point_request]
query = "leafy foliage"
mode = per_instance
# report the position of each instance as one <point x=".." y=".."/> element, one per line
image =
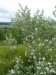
<point x="18" y="35"/>
<point x="2" y="35"/>
<point x="40" y="36"/>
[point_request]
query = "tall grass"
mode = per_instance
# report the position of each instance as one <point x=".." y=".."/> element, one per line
<point x="7" y="57"/>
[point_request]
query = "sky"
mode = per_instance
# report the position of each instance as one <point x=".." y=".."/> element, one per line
<point x="8" y="8"/>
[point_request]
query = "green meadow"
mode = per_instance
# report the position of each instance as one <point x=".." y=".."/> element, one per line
<point x="7" y="56"/>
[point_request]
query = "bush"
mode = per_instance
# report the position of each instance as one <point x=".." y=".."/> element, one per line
<point x="40" y="36"/>
<point x="2" y="35"/>
<point x="35" y="68"/>
<point x="18" y="35"/>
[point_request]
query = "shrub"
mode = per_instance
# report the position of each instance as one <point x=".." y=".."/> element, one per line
<point x="10" y="40"/>
<point x="40" y="67"/>
<point x="18" y="35"/>
<point x="40" y="36"/>
<point x="2" y="35"/>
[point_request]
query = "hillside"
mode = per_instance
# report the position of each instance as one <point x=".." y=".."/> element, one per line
<point x="5" y="23"/>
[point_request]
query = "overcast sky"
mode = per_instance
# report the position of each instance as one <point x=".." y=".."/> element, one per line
<point x="9" y="7"/>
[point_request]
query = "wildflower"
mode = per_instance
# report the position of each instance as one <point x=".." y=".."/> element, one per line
<point x="52" y="71"/>
<point x="35" y="28"/>
<point x="34" y="57"/>
<point x="50" y="49"/>
<point x="30" y="46"/>
<point x="46" y="40"/>
<point x="49" y="63"/>
<point x="12" y="71"/>
<point x="32" y="53"/>
<point x="47" y="68"/>
<point x="14" y="47"/>
<point x="43" y="58"/>
<point x="41" y="73"/>
<point x="25" y="53"/>
<point x="17" y="60"/>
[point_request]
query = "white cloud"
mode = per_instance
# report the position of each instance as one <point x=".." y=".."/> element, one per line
<point x="47" y="5"/>
<point x="5" y="20"/>
<point x="12" y="6"/>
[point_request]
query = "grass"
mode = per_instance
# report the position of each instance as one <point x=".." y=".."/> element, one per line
<point x="6" y="52"/>
<point x="7" y="57"/>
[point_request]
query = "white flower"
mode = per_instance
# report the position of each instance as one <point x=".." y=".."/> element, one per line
<point x="41" y="73"/>
<point x="17" y="60"/>
<point x="14" y="47"/>
<point x="35" y="28"/>
<point x="12" y="71"/>
<point x="39" y="62"/>
<point x="43" y="44"/>
<point x="29" y="46"/>
<point x="34" y="57"/>
<point x="47" y="69"/>
<point x="38" y="68"/>
<point x="33" y="42"/>
<point x="50" y="49"/>
<point x="46" y="40"/>
<point x="32" y="53"/>
<point x="43" y="58"/>
<point x="49" y="63"/>
<point x="25" y="53"/>
<point x="52" y="71"/>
